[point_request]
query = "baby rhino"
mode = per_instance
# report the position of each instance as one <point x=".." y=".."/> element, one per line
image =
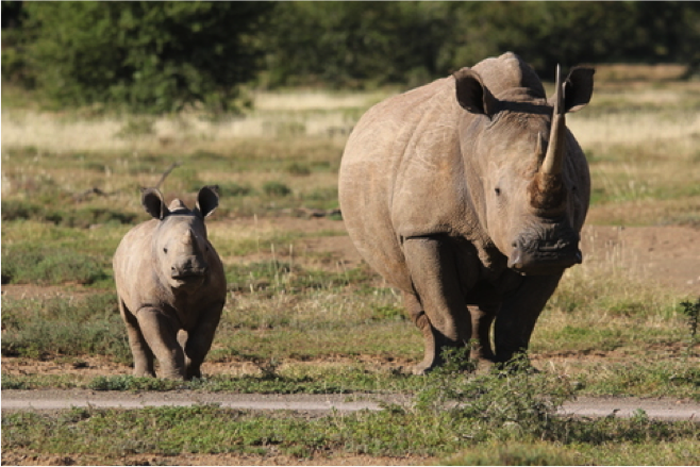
<point x="170" y="279"/>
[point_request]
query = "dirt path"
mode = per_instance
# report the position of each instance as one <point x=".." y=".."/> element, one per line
<point x="659" y="409"/>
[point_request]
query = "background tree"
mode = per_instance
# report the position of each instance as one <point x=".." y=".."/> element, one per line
<point x="163" y="56"/>
<point x="14" y="40"/>
<point x="149" y="56"/>
<point x="353" y="44"/>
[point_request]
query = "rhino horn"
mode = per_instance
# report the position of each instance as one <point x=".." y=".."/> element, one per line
<point x="554" y="158"/>
<point x="547" y="192"/>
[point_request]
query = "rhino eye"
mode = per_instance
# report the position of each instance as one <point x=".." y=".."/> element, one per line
<point x="165" y="250"/>
<point x="498" y="191"/>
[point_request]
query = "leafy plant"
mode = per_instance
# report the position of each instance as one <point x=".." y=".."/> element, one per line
<point x="152" y="57"/>
<point x="513" y="401"/>
<point x="274" y="188"/>
<point x="692" y="312"/>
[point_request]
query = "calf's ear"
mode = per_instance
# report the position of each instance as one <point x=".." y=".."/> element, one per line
<point x="472" y="94"/>
<point x="152" y="200"/>
<point x="208" y="200"/>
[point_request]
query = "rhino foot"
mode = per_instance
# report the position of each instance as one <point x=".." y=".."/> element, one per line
<point x="436" y="347"/>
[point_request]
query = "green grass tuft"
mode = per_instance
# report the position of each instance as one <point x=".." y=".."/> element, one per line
<point x="89" y="325"/>
<point x="49" y="266"/>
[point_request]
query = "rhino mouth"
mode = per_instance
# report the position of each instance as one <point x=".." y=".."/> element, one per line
<point x="189" y="276"/>
<point x="544" y="257"/>
<point x="543" y="263"/>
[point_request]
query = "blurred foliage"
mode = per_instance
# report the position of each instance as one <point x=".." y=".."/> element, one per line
<point x="349" y="44"/>
<point x="162" y="56"/>
<point x="149" y="56"/>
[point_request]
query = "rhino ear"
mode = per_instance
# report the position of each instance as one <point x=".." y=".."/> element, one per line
<point x="472" y="94"/>
<point x="578" y="88"/>
<point x="208" y="200"/>
<point x="152" y="200"/>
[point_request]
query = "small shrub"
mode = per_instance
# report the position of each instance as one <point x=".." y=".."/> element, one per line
<point x="276" y="189"/>
<point x="692" y="312"/>
<point x="15" y="210"/>
<point x="234" y="189"/>
<point x="511" y="403"/>
<point x="298" y="169"/>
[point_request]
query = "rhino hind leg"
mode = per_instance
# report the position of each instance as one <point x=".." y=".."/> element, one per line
<point x="141" y="352"/>
<point x="438" y="307"/>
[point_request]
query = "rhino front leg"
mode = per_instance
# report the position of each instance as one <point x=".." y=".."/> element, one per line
<point x="143" y="357"/>
<point x="438" y="308"/>
<point x="161" y="335"/>
<point x="199" y="341"/>
<point x="518" y="315"/>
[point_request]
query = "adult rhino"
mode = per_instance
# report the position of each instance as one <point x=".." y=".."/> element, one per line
<point x="468" y="194"/>
<point x="169" y="279"/>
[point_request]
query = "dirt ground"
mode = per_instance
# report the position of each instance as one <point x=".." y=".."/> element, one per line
<point x="669" y="255"/>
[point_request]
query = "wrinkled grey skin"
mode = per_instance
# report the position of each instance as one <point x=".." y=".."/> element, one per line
<point x="461" y="195"/>
<point x="170" y="279"/>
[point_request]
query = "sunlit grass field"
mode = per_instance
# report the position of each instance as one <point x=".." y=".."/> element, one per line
<point x="303" y="319"/>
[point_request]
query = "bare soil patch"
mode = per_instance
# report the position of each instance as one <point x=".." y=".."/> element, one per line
<point x="668" y="255"/>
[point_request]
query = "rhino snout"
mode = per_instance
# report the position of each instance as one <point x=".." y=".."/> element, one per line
<point x="544" y="257"/>
<point x="189" y="269"/>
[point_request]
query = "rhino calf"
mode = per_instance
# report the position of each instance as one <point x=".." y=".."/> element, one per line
<point x="170" y="279"/>
<point x="468" y="195"/>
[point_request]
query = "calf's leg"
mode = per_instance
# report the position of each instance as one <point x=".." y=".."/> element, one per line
<point x="199" y="341"/>
<point x="143" y="357"/>
<point x="161" y="335"/>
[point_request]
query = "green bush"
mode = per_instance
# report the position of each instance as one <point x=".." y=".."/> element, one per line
<point x="146" y="56"/>
<point x="277" y="189"/>
<point x="234" y="189"/>
<point x="349" y="44"/>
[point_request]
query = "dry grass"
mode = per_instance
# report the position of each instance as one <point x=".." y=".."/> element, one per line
<point x="276" y="115"/>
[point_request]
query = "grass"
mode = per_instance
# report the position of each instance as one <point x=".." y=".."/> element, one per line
<point x="303" y="320"/>
<point x="76" y="325"/>
<point x="502" y="416"/>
